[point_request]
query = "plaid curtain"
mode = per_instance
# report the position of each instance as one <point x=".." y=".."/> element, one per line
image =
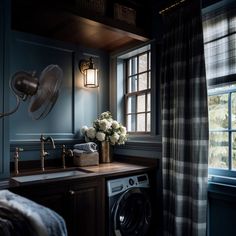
<point x="184" y="123"/>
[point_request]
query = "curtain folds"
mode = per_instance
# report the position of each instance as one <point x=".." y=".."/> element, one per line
<point x="184" y="123"/>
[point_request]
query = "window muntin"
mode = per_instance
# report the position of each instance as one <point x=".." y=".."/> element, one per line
<point x="138" y="93"/>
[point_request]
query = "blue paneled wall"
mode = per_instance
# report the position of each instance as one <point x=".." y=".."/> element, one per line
<point x="76" y="105"/>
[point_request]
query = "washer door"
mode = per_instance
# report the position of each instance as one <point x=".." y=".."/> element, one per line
<point x="132" y="213"/>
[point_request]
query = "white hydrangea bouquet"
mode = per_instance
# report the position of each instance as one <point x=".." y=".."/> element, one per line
<point x="105" y="129"/>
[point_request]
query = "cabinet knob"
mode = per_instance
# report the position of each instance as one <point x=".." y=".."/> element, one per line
<point x="71" y="192"/>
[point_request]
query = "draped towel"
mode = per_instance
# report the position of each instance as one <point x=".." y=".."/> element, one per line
<point x="88" y="147"/>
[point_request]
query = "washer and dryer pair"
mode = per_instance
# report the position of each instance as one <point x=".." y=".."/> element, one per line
<point x="129" y="206"/>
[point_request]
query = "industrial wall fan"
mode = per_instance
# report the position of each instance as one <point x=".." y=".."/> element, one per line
<point x="42" y="92"/>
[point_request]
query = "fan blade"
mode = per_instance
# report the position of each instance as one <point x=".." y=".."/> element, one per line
<point x="45" y="98"/>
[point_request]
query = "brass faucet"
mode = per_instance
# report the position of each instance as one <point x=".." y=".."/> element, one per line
<point x="65" y="152"/>
<point x="16" y="159"/>
<point x="43" y="153"/>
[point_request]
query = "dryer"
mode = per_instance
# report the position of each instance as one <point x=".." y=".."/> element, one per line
<point x="129" y="206"/>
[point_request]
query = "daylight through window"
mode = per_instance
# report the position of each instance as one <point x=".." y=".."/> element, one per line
<point x="138" y="93"/>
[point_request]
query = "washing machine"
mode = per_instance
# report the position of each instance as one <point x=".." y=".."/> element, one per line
<point x="129" y="206"/>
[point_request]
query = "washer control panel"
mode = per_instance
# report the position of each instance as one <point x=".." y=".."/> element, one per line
<point x="117" y="186"/>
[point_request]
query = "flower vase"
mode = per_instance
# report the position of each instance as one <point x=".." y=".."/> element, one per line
<point x="105" y="152"/>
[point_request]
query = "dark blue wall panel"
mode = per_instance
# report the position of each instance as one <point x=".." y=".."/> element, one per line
<point x="31" y="54"/>
<point x="76" y="105"/>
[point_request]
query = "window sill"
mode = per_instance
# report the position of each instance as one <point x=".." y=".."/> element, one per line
<point x="224" y="180"/>
<point x="146" y="146"/>
<point x="222" y="188"/>
<point x="144" y="138"/>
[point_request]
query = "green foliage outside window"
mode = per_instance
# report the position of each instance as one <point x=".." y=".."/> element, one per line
<point x="222" y="124"/>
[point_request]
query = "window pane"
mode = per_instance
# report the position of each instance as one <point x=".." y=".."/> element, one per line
<point x="141" y="103"/>
<point x="132" y="84"/>
<point x="132" y="66"/>
<point x="232" y="24"/>
<point x="141" y="122"/>
<point x="129" y="67"/>
<point x="148" y="122"/>
<point x="148" y="102"/>
<point x="131" y="104"/>
<point x="216" y="27"/>
<point x="233" y="115"/>
<point x="142" y="82"/>
<point x="216" y="57"/>
<point x="234" y="150"/>
<point x="149" y="80"/>
<point x="232" y="54"/>
<point x="143" y="62"/>
<point x="131" y="123"/>
<point x="218" y="111"/>
<point x="218" y="150"/>
<point x="220" y="44"/>
<point x="149" y="55"/>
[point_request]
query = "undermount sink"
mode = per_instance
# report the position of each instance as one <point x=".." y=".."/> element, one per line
<point x="46" y="176"/>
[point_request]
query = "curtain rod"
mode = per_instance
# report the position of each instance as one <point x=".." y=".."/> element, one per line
<point x="171" y="6"/>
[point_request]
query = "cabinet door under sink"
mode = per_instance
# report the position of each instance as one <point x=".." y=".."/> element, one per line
<point x="85" y="209"/>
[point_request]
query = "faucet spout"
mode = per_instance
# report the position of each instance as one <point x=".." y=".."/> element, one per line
<point x="50" y="139"/>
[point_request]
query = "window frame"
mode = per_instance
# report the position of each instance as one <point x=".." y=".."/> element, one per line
<point x="117" y="104"/>
<point x="229" y="130"/>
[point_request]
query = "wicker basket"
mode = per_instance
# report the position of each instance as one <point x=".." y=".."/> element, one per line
<point x="86" y="159"/>
<point x="96" y="6"/>
<point x="125" y="14"/>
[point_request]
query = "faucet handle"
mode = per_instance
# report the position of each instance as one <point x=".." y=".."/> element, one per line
<point x="17" y="150"/>
<point x="65" y="153"/>
<point x="16" y="159"/>
<point x="63" y="148"/>
<point x="46" y="154"/>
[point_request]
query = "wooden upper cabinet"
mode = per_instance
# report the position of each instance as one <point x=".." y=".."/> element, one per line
<point x="102" y="24"/>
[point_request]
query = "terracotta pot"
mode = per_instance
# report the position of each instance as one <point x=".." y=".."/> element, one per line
<point x="105" y="152"/>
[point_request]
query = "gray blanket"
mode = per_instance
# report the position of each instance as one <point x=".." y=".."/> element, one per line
<point x="41" y="220"/>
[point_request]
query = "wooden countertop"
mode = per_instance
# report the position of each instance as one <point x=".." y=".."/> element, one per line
<point x="115" y="168"/>
<point x="105" y="170"/>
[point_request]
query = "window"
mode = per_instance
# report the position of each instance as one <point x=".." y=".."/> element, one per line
<point x="135" y="96"/>
<point x="138" y="93"/>
<point x="219" y="28"/>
